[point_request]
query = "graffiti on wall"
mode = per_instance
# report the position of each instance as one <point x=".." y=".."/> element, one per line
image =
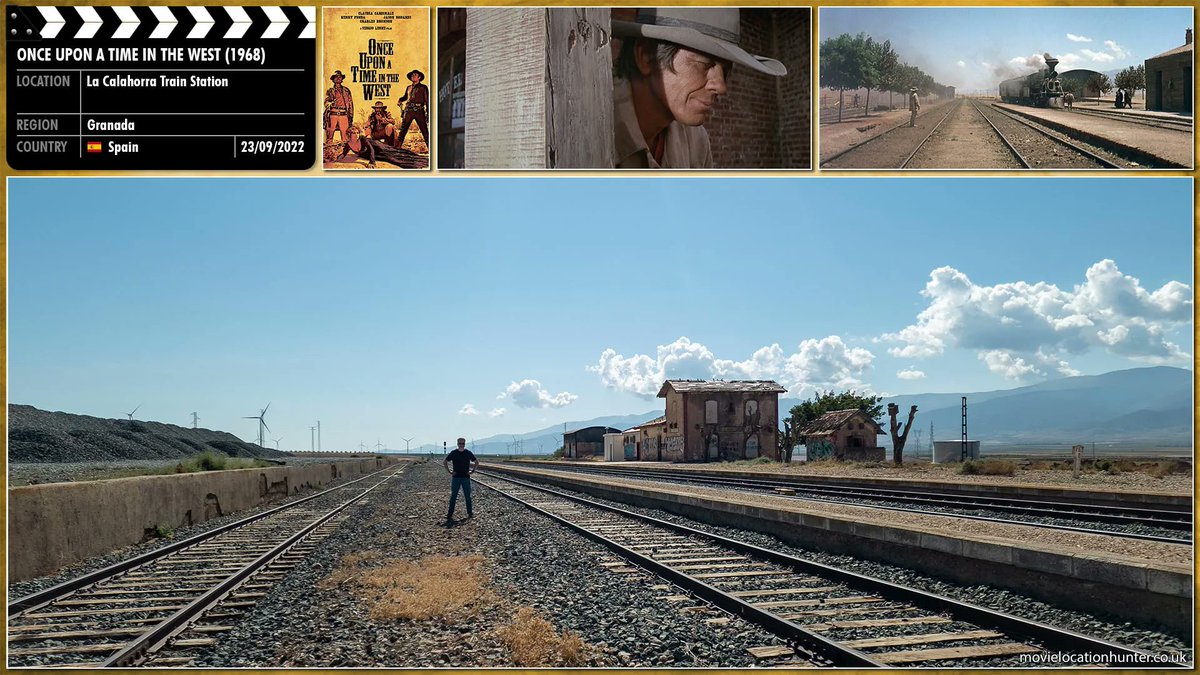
<point x="822" y="449"/>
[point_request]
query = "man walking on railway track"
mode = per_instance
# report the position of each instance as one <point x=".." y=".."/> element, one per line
<point x="914" y="104"/>
<point x="460" y="464"/>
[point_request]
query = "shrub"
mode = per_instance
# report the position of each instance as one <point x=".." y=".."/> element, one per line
<point x="210" y="461"/>
<point x="987" y="467"/>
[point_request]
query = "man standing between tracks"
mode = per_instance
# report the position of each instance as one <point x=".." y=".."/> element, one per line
<point x="464" y="464"/>
<point x="914" y="104"/>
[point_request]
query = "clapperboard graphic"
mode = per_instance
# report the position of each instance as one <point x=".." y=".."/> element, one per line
<point x="186" y="88"/>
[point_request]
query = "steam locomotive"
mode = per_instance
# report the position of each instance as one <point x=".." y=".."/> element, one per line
<point x="1042" y="89"/>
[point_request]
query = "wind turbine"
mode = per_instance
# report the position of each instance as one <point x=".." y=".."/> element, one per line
<point x="130" y="414"/>
<point x="406" y="442"/>
<point x="277" y="441"/>
<point x="262" y="424"/>
<point x="378" y="445"/>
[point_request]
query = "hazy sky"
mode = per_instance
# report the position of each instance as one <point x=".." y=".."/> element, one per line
<point x="976" y="47"/>
<point x="392" y="308"/>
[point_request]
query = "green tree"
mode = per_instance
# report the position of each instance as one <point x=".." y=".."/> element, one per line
<point x="1101" y="84"/>
<point x="890" y="70"/>
<point x="881" y="60"/>
<point x="845" y="64"/>
<point x="800" y="415"/>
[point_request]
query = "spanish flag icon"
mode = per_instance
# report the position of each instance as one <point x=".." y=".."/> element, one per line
<point x="93" y="146"/>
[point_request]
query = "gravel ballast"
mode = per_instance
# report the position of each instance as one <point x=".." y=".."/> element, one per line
<point x="531" y="561"/>
<point x="1154" y="639"/>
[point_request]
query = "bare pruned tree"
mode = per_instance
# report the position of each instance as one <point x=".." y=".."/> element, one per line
<point x="899" y="431"/>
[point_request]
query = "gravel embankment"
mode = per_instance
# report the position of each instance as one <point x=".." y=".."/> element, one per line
<point x="530" y="561"/>
<point x="22" y="588"/>
<point x="1154" y="639"/>
<point x="1074" y="541"/>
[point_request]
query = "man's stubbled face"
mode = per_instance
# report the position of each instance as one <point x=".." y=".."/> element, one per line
<point x="690" y="88"/>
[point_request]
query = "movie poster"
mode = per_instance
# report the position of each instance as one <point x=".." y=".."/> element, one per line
<point x="376" y="102"/>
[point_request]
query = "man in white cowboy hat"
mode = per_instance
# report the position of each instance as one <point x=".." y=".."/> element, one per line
<point x="339" y="107"/>
<point x="672" y="68"/>
<point x="914" y="104"/>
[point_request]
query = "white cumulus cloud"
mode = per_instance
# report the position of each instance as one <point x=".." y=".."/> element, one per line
<point x="468" y="409"/>
<point x="1117" y="50"/>
<point x="530" y="394"/>
<point x="1078" y="38"/>
<point x="1098" y="57"/>
<point x="910" y="374"/>
<point x="1023" y="329"/>
<point x="497" y="412"/>
<point x="962" y="64"/>
<point x="816" y="364"/>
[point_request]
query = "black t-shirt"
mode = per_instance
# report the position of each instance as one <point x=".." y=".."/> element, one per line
<point x="462" y="462"/>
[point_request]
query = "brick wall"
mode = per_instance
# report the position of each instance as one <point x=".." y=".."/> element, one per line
<point x="764" y="121"/>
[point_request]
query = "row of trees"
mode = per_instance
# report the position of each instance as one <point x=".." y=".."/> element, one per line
<point x="858" y="61"/>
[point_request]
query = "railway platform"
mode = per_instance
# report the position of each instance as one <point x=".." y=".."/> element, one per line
<point x="1159" y="147"/>
<point x="1142" y="581"/>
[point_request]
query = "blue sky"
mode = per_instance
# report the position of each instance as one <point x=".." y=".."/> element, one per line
<point x="973" y="48"/>
<point x="385" y="307"/>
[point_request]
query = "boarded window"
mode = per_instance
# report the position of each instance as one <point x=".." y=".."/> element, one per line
<point x="751" y="410"/>
<point x="710" y="412"/>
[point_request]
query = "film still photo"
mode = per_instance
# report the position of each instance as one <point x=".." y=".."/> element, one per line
<point x="624" y="88"/>
<point x="1062" y="88"/>
<point x="375" y="107"/>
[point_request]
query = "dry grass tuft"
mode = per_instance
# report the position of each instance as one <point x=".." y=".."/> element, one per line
<point x="533" y="642"/>
<point x="437" y="587"/>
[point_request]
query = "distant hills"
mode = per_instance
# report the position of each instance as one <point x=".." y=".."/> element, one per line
<point x="1140" y="406"/>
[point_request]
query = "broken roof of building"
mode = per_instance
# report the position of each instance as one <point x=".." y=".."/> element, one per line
<point x="689" y="386"/>
<point x="833" y="420"/>
<point x="662" y="419"/>
<point x="607" y="430"/>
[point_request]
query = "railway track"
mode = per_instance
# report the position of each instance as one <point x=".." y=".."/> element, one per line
<point x="935" y="503"/>
<point x="1040" y="133"/>
<point x="953" y="109"/>
<point x="890" y="133"/>
<point x="828" y="616"/>
<point x="152" y="609"/>
<point x="1181" y="125"/>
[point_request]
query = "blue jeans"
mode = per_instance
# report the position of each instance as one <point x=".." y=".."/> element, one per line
<point x="459" y="483"/>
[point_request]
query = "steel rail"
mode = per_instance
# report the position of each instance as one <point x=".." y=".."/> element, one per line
<point x="1169" y="124"/>
<point x="46" y="596"/>
<point x="1062" y="141"/>
<point x="1124" y="515"/>
<point x="876" y="137"/>
<point x="1007" y="143"/>
<point x="1048" y="637"/>
<point x="752" y="485"/>
<point x="817" y="645"/>
<point x="932" y="131"/>
<point x="155" y="638"/>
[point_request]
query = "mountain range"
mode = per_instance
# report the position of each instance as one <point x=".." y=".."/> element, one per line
<point x="1141" y="406"/>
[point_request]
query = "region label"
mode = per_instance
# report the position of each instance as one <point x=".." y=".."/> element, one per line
<point x="172" y="88"/>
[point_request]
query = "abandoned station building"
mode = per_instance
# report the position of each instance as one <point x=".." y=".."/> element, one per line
<point x="1169" y="79"/>
<point x="720" y="420"/>
<point x="846" y="435"/>
<point x="585" y="442"/>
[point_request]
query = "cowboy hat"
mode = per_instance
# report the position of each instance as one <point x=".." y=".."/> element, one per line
<point x="378" y="105"/>
<point x="336" y="74"/>
<point x="415" y="72"/>
<point x="712" y="30"/>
